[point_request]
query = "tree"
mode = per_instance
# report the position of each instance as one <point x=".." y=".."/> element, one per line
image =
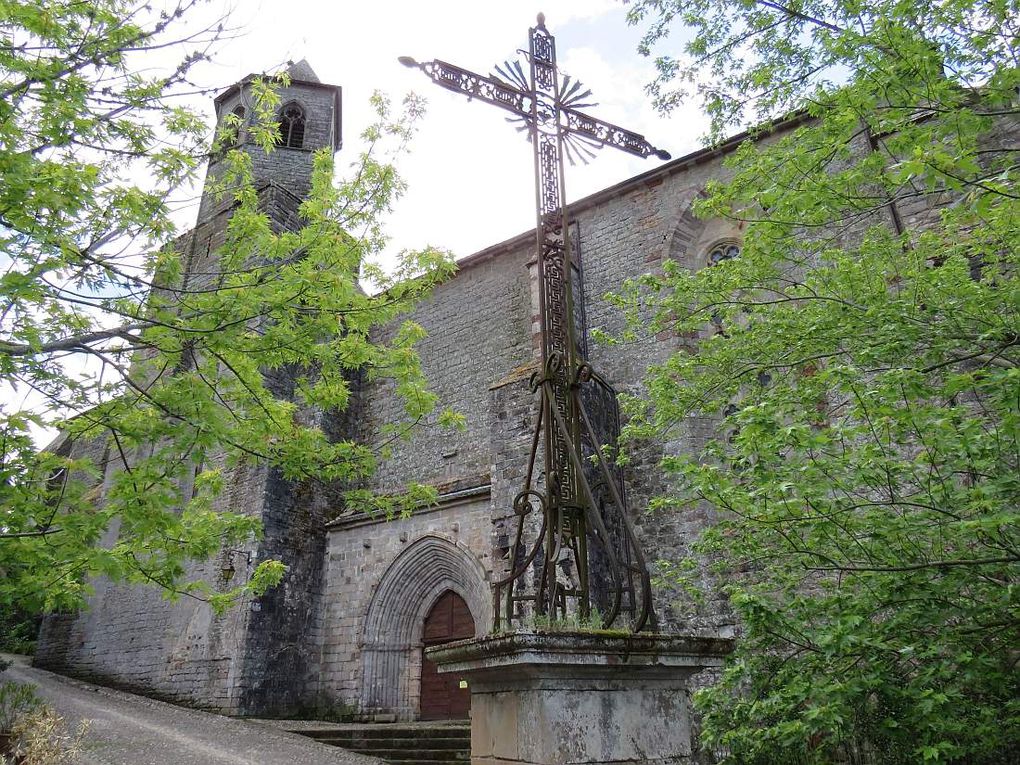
<point x="861" y="357"/>
<point x="113" y="349"/>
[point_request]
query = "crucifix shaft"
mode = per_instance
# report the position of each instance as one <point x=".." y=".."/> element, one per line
<point x="572" y="516"/>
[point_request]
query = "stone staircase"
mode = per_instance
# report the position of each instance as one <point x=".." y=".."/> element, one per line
<point x="421" y="743"/>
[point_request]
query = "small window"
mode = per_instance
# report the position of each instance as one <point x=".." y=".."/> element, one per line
<point x="292" y="127"/>
<point x="723" y="251"/>
<point x="719" y="252"/>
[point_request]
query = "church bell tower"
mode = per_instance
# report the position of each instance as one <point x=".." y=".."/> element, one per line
<point x="308" y="119"/>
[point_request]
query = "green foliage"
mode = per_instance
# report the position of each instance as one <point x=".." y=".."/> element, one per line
<point x="18" y="631"/>
<point x="865" y="376"/>
<point x="16" y="700"/>
<point x="161" y="386"/>
<point x="574" y="622"/>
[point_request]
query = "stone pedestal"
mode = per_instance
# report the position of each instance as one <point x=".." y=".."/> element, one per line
<point x="552" y="698"/>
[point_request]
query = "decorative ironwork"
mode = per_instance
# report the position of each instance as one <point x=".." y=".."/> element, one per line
<point x="584" y="547"/>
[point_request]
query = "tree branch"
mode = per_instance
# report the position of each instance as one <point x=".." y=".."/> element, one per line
<point x="70" y="343"/>
<point x="920" y="566"/>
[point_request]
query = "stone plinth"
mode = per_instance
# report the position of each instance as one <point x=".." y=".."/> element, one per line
<point x="552" y="698"/>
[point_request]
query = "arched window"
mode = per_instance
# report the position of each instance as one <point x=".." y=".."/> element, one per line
<point x="229" y="135"/>
<point x="717" y="253"/>
<point x="722" y="251"/>
<point x="292" y="127"/>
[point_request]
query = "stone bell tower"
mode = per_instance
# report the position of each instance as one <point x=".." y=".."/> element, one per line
<point x="308" y="119"/>
<point x="256" y="659"/>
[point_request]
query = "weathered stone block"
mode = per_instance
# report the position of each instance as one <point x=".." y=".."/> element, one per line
<point x="580" y="698"/>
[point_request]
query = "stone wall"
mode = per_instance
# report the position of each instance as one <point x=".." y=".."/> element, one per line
<point x="482" y="348"/>
<point x="478" y="330"/>
<point x="134" y="638"/>
<point x="623" y="237"/>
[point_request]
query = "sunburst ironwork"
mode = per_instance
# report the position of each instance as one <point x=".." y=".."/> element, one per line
<point x="583" y="510"/>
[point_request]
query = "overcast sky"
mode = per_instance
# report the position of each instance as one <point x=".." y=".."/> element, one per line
<point x="470" y="173"/>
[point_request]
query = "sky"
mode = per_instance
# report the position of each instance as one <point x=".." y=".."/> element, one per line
<point x="470" y="173"/>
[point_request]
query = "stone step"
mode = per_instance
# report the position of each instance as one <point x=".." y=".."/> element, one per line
<point x="414" y="744"/>
<point x="397" y="742"/>
<point x="389" y="731"/>
<point x="403" y="756"/>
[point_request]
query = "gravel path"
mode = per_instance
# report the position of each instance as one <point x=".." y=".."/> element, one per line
<point x="126" y="729"/>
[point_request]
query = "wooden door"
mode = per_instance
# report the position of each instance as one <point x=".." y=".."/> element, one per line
<point x="442" y="698"/>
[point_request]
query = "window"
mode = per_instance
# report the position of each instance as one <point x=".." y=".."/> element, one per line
<point x="238" y="127"/>
<point x="292" y="127"/>
<point x="723" y="251"/>
<point x="719" y="252"/>
<point x="229" y="134"/>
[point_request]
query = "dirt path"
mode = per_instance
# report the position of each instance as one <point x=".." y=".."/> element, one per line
<point x="132" y="730"/>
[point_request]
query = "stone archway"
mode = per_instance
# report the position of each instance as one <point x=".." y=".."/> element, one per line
<point x="686" y="233"/>
<point x="391" y="651"/>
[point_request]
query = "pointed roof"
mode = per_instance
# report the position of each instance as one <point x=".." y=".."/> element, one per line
<point x="303" y="72"/>
<point x="300" y="72"/>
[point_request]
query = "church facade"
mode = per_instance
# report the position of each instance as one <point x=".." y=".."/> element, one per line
<point x="365" y="595"/>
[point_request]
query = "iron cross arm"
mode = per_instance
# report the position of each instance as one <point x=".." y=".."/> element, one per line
<point x="608" y="134"/>
<point x="495" y="91"/>
<point x="489" y="89"/>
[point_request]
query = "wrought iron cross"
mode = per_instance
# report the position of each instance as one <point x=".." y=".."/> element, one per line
<point x="583" y="496"/>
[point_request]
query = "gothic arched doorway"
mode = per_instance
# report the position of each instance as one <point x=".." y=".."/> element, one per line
<point x="442" y="698"/>
<point x="412" y="585"/>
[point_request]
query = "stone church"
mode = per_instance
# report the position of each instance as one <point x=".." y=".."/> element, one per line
<point x="364" y="595"/>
